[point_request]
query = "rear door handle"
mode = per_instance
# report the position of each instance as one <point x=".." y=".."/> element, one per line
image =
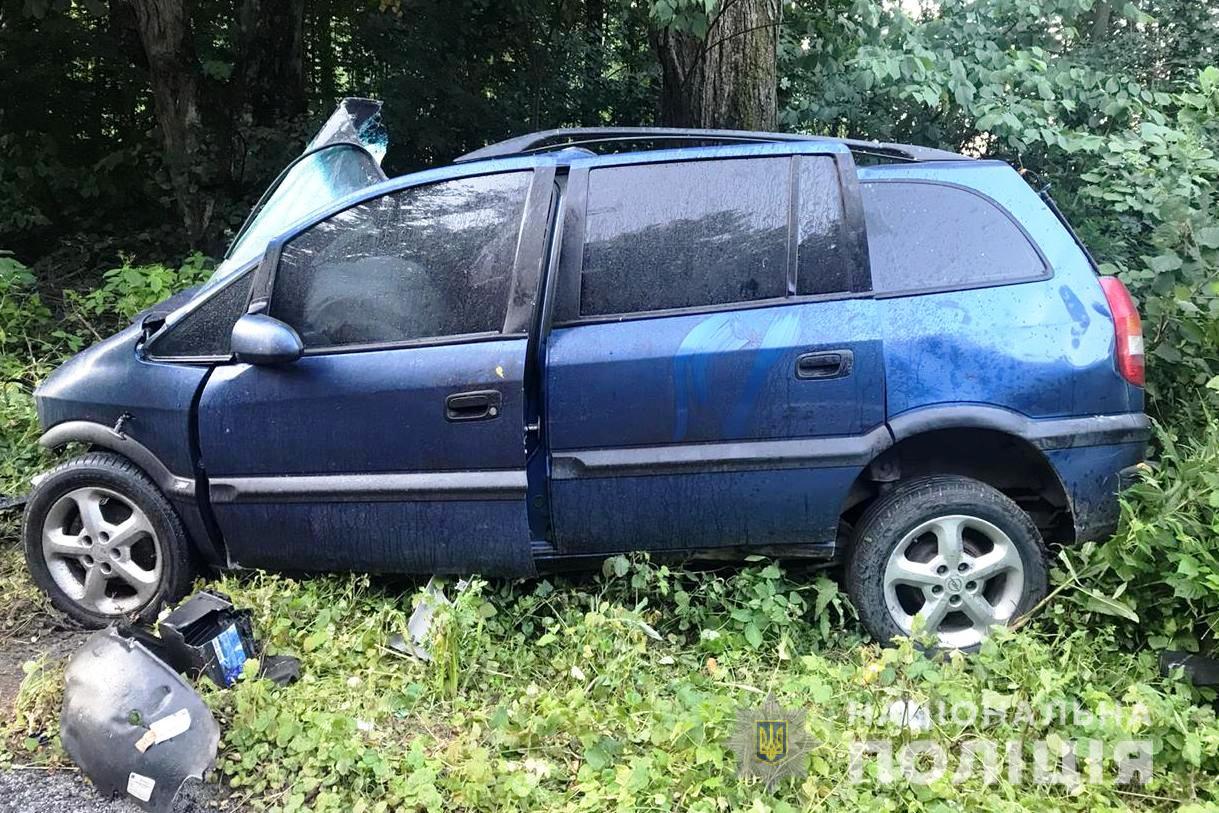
<point x="825" y="364"/>
<point x="481" y="405"/>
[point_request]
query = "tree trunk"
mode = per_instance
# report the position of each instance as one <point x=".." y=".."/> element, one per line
<point x="272" y="59"/>
<point x="727" y="79"/>
<point x="173" y="69"/>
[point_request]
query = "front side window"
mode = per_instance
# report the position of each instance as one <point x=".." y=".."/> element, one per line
<point x="661" y="236"/>
<point x="426" y="262"/>
<point x="929" y="236"/>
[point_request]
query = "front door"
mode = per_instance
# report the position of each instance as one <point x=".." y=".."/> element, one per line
<point x="396" y="442"/>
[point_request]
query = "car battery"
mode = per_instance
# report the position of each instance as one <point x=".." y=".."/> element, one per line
<point x="207" y="635"/>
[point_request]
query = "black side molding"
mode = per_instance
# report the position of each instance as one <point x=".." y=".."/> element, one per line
<point x="507" y="484"/>
<point x="1044" y="433"/>
<point x="744" y="455"/>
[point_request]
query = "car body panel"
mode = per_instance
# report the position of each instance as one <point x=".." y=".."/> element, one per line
<point x="267" y="434"/>
<point x="1043" y="348"/>
<point x="668" y="431"/>
<point x="717" y="385"/>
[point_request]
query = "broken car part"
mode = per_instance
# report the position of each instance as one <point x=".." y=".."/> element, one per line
<point x="420" y="623"/>
<point x="132" y="724"/>
<point x="206" y="635"/>
<point x="1199" y="669"/>
<point x="8" y="503"/>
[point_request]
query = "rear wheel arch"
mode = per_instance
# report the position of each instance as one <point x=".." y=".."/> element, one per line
<point x="993" y="454"/>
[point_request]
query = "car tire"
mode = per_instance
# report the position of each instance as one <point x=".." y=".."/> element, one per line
<point x="956" y="550"/>
<point x="103" y="543"/>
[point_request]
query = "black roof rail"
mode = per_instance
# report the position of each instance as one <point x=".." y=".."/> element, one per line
<point x="547" y="140"/>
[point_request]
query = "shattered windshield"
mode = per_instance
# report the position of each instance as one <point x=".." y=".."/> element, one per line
<point x="344" y="157"/>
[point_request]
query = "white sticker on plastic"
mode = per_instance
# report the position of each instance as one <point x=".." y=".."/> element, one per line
<point x="140" y="786"/>
<point x="169" y="727"/>
<point x="164" y="729"/>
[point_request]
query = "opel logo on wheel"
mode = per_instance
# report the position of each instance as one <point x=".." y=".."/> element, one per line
<point x="954" y="584"/>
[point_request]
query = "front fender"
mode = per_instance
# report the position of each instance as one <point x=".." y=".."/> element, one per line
<point x="110" y="439"/>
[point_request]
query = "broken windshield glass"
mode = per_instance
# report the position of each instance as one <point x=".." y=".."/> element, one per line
<point x="344" y="157"/>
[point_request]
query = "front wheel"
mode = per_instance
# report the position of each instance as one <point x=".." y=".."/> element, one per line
<point x="104" y="543"/>
<point x="951" y="549"/>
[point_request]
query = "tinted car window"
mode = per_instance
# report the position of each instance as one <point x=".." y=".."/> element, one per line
<point x="206" y="331"/>
<point x="924" y="235"/>
<point x="426" y="262"/>
<point x="821" y="266"/>
<point x="685" y="234"/>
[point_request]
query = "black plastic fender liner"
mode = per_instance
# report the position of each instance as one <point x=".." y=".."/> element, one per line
<point x="115" y="693"/>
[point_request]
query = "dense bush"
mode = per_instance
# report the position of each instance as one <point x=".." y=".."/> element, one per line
<point x="1161" y="570"/>
<point x="33" y="339"/>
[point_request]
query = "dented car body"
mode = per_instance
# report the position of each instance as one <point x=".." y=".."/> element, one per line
<point x="584" y="343"/>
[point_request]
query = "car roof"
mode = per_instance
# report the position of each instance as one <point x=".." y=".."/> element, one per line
<point x="601" y="140"/>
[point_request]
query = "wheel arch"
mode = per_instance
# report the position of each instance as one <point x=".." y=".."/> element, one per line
<point x="108" y="438"/>
<point x="182" y="492"/>
<point x="987" y="444"/>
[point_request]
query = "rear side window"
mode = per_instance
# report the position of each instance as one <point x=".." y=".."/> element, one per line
<point x="205" y="332"/>
<point x="688" y="234"/>
<point x="929" y="236"/>
<point x="427" y="262"/>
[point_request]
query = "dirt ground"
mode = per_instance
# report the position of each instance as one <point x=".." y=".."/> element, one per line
<point x="30" y="629"/>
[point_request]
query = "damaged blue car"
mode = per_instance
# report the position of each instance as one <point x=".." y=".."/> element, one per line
<point x="587" y="342"/>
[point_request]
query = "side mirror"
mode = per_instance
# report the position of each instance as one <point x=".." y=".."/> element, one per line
<point x="260" y="339"/>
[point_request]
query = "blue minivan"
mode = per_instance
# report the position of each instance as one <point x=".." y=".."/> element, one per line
<point x="581" y="343"/>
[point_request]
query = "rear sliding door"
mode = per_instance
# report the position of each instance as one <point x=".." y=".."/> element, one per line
<point x="715" y="374"/>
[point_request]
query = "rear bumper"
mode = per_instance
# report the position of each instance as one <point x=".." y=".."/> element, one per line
<point x="1095" y="457"/>
<point x="1092" y="476"/>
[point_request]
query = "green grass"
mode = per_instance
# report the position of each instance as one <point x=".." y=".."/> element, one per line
<point x="620" y="691"/>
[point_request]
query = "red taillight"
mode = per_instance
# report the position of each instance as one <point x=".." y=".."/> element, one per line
<point x="1128" y="329"/>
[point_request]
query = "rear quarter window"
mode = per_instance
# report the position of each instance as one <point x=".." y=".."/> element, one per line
<point x="926" y="236"/>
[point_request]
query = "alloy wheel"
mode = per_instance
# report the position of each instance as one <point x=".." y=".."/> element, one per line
<point x="101" y="551"/>
<point x="962" y="573"/>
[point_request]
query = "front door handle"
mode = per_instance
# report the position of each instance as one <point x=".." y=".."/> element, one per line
<point x="825" y="364"/>
<point x="482" y="405"/>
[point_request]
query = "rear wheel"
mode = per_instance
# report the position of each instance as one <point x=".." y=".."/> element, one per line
<point x="104" y="543"/>
<point x="952" y="549"/>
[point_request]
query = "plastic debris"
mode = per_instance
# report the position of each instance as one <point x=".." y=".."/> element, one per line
<point x="1199" y="669"/>
<point x="420" y="623"/>
<point x="132" y="724"/>
<point x="206" y="635"/>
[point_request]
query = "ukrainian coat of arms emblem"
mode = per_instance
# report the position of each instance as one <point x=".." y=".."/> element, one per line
<point x="770" y="742"/>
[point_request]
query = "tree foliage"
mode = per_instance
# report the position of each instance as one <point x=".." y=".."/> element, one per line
<point x="1128" y="145"/>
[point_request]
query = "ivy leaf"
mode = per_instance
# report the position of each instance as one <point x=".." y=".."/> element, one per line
<point x="1208" y="237"/>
